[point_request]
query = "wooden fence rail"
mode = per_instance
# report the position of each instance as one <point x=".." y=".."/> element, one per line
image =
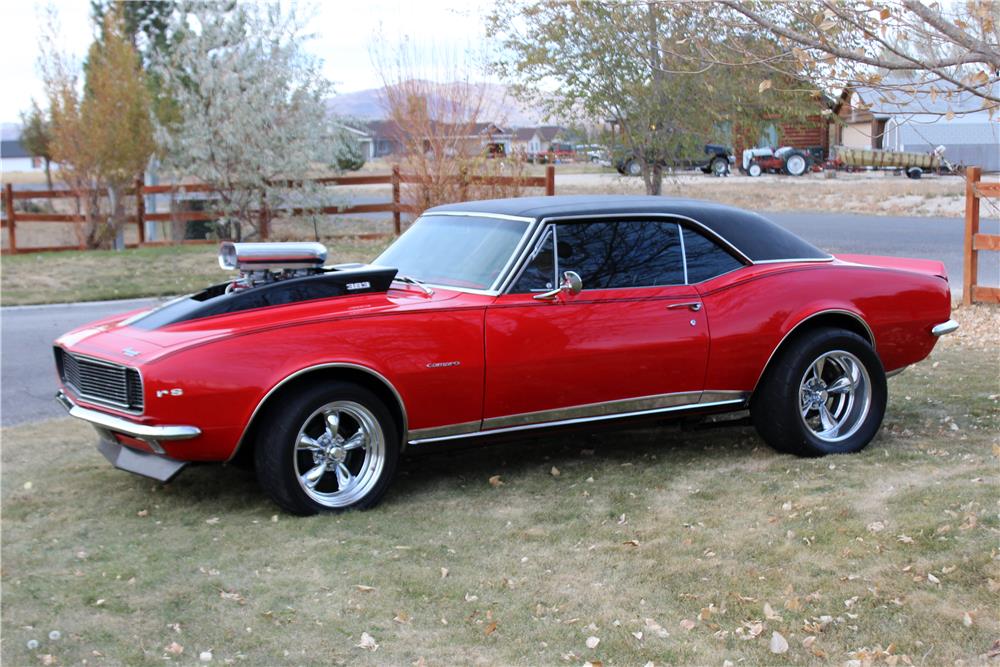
<point x="975" y="191"/>
<point x="141" y="216"/>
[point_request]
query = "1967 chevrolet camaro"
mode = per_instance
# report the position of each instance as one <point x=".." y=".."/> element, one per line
<point x="493" y="317"/>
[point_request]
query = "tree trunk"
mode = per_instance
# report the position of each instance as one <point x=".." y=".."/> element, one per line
<point x="48" y="172"/>
<point x="653" y="176"/>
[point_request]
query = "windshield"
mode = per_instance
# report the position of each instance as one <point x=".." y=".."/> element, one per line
<point x="455" y="250"/>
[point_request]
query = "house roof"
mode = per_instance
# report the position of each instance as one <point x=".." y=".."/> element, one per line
<point x="755" y="236"/>
<point x="524" y="133"/>
<point x="928" y="100"/>
<point x="549" y="132"/>
<point x="11" y="148"/>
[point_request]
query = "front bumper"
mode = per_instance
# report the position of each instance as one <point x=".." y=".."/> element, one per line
<point x="156" y="466"/>
<point x="944" y="328"/>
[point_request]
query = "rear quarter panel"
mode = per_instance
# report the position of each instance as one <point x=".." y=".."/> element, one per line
<point x="750" y="312"/>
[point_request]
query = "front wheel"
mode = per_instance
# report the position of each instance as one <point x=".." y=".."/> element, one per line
<point x="825" y="394"/>
<point x="329" y="447"/>
<point x="754" y="169"/>
<point x="719" y="166"/>
<point x="633" y="168"/>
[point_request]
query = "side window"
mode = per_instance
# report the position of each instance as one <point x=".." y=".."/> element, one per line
<point x="705" y="258"/>
<point x="639" y="253"/>
<point x="539" y="274"/>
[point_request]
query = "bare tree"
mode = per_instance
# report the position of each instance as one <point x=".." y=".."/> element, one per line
<point x="442" y="123"/>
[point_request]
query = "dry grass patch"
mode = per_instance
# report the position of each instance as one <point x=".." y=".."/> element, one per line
<point x="62" y="277"/>
<point x="668" y="545"/>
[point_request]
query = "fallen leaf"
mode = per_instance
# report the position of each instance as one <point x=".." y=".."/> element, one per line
<point x="142" y="513"/>
<point x="769" y="613"/>
<point x="809" y="641"/>
<point x="469" y="597"/>
<point x="631" y="543"/>
<point x="764" y="85"/>
<point x="876" y="527"/>
<point x="444" y="572"/>
<point x="778" y="643"/>
<point x="496" y="481"/>
<point x="363" y="588"/>
<point x="687" y="624"/>
<point x="905" y="539"/>
<point x="214" y="520"/>
<point x="490" y="629"/>
<point x="592" y="642"/>
<point x="174" y="648"/>
<point x="967" y="620"/>
<point x="637" y="635"/>
<point x="554" y="471"/>
<point x="931" y="578"/>
<point x="401" y="617"/>
<point x="367" y="642"/>
<point x="48" y="659"/>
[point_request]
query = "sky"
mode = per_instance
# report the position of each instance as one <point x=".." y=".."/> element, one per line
<point x="344" y="31"/>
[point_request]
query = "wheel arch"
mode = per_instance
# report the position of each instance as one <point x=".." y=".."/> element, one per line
<point x="343" y="372"/>
<point x="835" y="318"/>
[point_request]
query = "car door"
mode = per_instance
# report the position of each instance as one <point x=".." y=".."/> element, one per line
<point x="634" y="339"/>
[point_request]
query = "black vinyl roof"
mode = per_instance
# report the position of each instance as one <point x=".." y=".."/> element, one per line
<point x="753" y="235"/>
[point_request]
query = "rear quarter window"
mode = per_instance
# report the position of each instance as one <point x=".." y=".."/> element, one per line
<point x="706" y="259"/>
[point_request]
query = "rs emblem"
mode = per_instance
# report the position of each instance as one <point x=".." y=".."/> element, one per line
<point x="160" y="393"/>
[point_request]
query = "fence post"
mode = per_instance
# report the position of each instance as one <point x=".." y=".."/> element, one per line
<point x="11" y="222"/>
<point x="396" y="226"/>
<point x="140" y="209"/>
<point x="971" y="274"/>
<point x="550" y="180"/>
<point x="264" y="218"/>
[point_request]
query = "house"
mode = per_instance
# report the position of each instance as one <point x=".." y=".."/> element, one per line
<point x="14" y="157"/>
<point x="385" y="138"/>
<point x="920" y="122"/>
<point x="533" y="142"/>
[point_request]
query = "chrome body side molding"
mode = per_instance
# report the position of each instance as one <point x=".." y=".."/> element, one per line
<point x="596" y="412"/>
<point x="443" y="431"/>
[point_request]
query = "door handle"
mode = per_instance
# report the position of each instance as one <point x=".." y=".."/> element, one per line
<point x="692" y="305"/>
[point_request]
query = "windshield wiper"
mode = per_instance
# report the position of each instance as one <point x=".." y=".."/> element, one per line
<point x="416" y="283"/>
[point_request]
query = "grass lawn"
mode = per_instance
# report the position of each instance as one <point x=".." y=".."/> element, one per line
<point x="666" y="545"/>
<point x="62" y="277"/>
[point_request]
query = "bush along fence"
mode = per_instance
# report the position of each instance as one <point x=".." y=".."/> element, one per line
<point x="975" y="191"/>
<point x="265" y="214"/>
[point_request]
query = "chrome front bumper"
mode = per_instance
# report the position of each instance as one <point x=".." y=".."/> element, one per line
<point x="944" y="328"/>
<point x="156" y="466"/>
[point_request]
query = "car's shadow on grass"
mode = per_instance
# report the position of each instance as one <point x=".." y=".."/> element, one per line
<point x="474" y="462"/>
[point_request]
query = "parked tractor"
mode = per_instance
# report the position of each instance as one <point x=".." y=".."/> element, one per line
<point x="784" y="160"/>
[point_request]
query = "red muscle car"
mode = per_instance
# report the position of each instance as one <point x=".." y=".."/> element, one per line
<point x="497" y="317"/>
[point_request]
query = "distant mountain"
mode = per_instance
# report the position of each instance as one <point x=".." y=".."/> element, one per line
<point x="500" y="106"/>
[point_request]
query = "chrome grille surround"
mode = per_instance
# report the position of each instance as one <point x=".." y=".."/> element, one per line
<point x="101" y="382"/>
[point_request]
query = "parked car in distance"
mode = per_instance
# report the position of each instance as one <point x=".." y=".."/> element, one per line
<point x="499" y="318"/>
<point x="717" y="161"/>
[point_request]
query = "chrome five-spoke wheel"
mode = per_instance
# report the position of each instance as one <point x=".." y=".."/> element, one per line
<point x="339" y="453"/>
<point x="823" y="393"/>
<point x="327" y="447"/>
<point x="835" y="396"/>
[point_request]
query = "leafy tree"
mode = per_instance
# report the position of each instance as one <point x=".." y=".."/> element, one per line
<point x="912" y="51"/>
<point x="36" y="137"/>
<point x="102" y="138"/>
<point x="251" y="113"/>
<point x="636" y="64"/>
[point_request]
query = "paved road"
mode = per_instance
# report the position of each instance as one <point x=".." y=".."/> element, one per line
<point x="28" y="380"/>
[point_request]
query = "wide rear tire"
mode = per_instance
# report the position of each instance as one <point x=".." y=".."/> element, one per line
<point x="825" y="394"/>
<point x="329" y="447"/>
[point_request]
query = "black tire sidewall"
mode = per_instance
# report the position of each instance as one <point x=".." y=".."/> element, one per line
<point x="275" y="445"/>
<point x="775" y="408"/>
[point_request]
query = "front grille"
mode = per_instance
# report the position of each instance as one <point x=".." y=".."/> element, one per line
<point x="101" y="381"/>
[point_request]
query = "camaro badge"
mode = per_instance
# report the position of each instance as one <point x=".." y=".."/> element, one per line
<point x="443" y="364"/>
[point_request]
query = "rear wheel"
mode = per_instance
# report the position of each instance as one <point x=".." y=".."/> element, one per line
<point x="914" y="172"/>
<point x="330" y="447"/>
<point x="633" y="168"/>
<point x="825" y="394"/>
<point x="796" y="164"/>
<point x="719" y="166"/>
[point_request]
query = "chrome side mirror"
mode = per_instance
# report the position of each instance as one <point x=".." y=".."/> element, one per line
<point x="571" y="283"/>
